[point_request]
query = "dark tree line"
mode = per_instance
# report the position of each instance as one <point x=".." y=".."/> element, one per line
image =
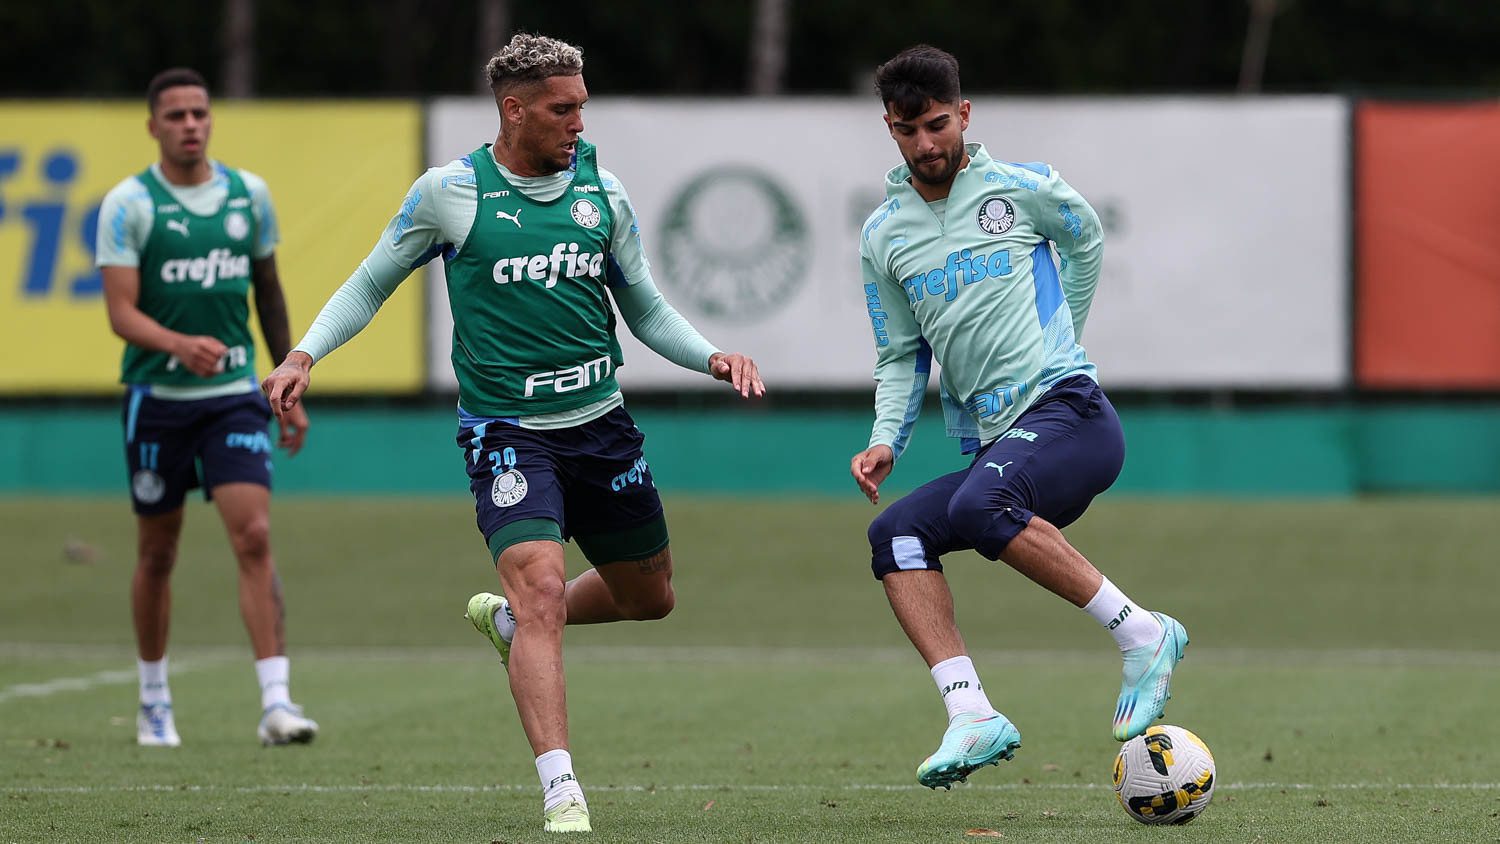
<point x="429" y="47"/>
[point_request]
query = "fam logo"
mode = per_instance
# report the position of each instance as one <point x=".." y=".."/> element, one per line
<point x="735" y="244"/>
<point x="47" y="224"/>
<point x="996" y="215"/>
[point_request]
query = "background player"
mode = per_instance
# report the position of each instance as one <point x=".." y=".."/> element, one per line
<point x="180" y="247"/>
<point x="957" y="267"/>
<point x="533" y="232"/>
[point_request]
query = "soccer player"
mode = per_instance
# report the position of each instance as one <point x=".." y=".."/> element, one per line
<point x="537" y="239"/>
<point x="180" y="246"/>
<point x="957" y="268"/>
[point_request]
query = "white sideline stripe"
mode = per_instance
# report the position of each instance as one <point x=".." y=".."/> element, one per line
<point x="66" y="684"/>
<point x="795" y="654"/>
<point x="114" y="677"/>
<point x="304" y="788"/>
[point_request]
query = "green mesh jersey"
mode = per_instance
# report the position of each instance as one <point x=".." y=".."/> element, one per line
<point x="970" y="282"/>
<point x="195" y="279"/>
<point x="533" y="329"/>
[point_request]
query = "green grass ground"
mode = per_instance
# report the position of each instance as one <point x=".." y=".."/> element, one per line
<point x="1344" y="669"/>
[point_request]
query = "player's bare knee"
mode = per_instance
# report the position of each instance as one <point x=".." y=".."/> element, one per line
<point x="157" y="561"/>
<point x="652" y="606"/>
<point x="251" y="542"/>
<point x="539" y="602"/>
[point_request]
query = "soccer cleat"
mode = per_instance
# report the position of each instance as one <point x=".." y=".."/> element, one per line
<point x="971" y="742"/>
<point x="284" y="723"/>
<point x="155" y="727"/>
<point x="572" y="816"/>
<point x="481" y="613"/>
<point x="1148" y="676"/>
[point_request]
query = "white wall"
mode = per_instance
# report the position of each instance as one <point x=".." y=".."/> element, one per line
<point x="1226" y="226"/>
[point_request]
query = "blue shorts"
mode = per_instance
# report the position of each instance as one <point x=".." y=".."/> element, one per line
<point x="589" y="482"/>
<point x="173" y="446"/>
<point x="1064" y="450"/>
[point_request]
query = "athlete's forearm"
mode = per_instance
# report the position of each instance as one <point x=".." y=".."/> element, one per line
<point x="657" y="324"/>
<point x="350" y="308"/>
<point x="900" y="387"/>
<point x="902" y="359"/>
<point x="133" y="326"/>
<point x="1077" y="234"/>
<point x="1079" y="276"/>
<point x="270" y="308"/>
<point x="127" y="320"/>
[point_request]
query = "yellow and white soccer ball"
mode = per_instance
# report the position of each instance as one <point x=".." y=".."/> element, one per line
<point x="1165" y="775"/>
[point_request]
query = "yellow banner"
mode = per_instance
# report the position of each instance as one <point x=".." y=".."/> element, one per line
<point x="337" y="173"/>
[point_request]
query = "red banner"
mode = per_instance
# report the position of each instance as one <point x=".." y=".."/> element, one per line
<point x="1427" y="229"/>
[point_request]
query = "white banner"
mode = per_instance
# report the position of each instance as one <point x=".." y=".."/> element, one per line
<point x="1226" y="226"/>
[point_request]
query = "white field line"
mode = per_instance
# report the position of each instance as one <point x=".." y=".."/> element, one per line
<point x="114" y="677"/>
<point x="413" y="788"/>
<point x="792" y="655"/>
<point x="67" y="684"/>
<point x="711" y="655"/>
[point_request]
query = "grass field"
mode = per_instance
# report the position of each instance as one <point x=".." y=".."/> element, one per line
<point x="1345" y="669"/>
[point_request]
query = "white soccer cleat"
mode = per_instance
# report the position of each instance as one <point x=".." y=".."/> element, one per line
<point x="284" y="723"/>
<point x="154" y="726"/>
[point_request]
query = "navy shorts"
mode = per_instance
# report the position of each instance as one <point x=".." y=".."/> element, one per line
<point x="589" y="482"/>
<point x="1064" y="450"/>
<point x="173" y="446"/>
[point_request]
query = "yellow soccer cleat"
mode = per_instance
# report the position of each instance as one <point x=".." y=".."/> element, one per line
<point x="572" y="816"/>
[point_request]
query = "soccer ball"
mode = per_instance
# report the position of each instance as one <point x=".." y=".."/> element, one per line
<point x="1164" y="776"/>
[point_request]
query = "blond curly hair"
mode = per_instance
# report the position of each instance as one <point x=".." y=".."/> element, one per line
<point x="532" y="58"/>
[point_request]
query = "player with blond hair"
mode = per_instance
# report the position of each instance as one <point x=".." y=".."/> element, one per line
<point x="538" y="240"/>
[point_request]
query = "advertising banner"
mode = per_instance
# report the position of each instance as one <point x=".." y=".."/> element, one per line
<point x="1226" y="226"/>
<point x="336" y="172"/>
<point x="1429" y="258"/>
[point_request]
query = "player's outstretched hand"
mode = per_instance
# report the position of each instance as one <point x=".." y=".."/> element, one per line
<point x="286" y="384"/>
<point x="294" y="424"/>
<point x="870" y="468"/>
<point x="739" y="370"/>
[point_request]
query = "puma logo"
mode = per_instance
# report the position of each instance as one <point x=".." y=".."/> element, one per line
<point x="514" y="218"/>
<point x="180" y="226"/>
<point x="1000" y="469"/>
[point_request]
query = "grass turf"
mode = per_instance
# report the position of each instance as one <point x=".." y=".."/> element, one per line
<point x="1343" y="669"/>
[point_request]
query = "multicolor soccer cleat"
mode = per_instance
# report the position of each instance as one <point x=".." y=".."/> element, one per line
<point x="284" y="723"/>
<point x="970" y="743"/>
<point x="1145" y="690"/>
<point x="572" y="816"/>
<point x="481" y="613"/>
<point x="155" y="727"/>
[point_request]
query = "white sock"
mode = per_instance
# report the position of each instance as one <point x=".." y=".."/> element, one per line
<point x="505" y="622"/>
<point x="275" y="676"/>
<point x="959" y="685"/>
<point x="1129" y="624"/>
<point x="555" y="769"/>
<point x="153" y="680"/>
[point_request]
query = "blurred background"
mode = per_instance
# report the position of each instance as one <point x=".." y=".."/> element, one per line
<point x="1300" y="201"/>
